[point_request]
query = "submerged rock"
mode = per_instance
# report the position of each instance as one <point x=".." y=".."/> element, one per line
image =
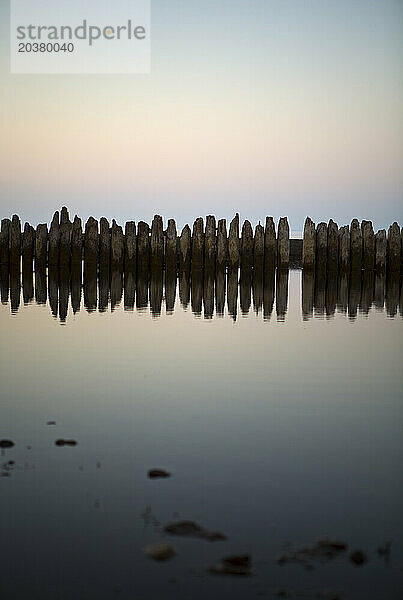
<point x="158" y="474"/>
<point x="192" y="529"/>
<point x="160" y="551"/>
<point x="233" y="565"/>
<point x="6" y="444"/>
<point x="322" y="551"/>
<point x="51" y="423"/>
<point x="358" y="557"/>
<point x="62" y="442"/>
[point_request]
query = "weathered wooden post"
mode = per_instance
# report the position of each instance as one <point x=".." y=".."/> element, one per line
<point x="117" y="247"/>
<point x="258" y="249"/>
<point x="15" y="240"/>
<point x="143" y="249"/>
<point x="171" y="258"/>
<point x="246" y="246"/>
<point x="198" y="244"/>
<point x="28" y="243"/>
<point x="65" y="238"/>
<point x="321" y="246"/>
<point x="344" y="249"/>
<point x="104" y="245"/>
<point x="54" y="240"/>
<point x="91" y="246"/>
<point x="309" y="245"/>
<point x="222" y="245"/>
<point x="41" y="245"/>
<point x="368" y="245"/>
<point x="130" y="252"/>
<point x="157" y="243"/>
<point x="283" y="244"/>
<point x="270" y="245"/>
<point x="210" y="244"/>
<point x="5" y="242"/>
<point x="233" y="243"/>
<point x="332" y="247"/>
<point x="355" y="245"/>
<point x="185" y="250"/>
<point x="394" y="247"/>
<point x="77" y="243"/>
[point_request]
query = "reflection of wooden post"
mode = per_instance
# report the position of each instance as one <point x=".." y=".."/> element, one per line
<point x="15" y="240"/>
<point x="283" y="244"/>
<point x="157" y="243"/>
<point x="104" y="245"/>
<point x="268" y="293"/>
<point x="331" y="292"/>
<point x="184" y="288"/>
<point x="355" y="245"/>
<point x="77" y="243"/>
<point x="129" y="290"/>
<point x="320" y="290"/>
<point x="232" y="293"/>
<point x="5" y="241"/>
<point x="354" y="293"/>
<point x="380" y="251"/>
<point x="76" y="285"/>
<point x="65" y="238"/>
<point x="170" y="289"/>
<point x="130" y="249"/>
<point x="270" y="244"/>
<point x="344" y="249"/>
<point x="40" y="283"/>
<point x="196" y="291"/>
<point x="185" y="250"/>
<point x="210" y="244"/>
<point x="64" y="289"/>
<point x="198" y="244"/>
<point x="117" y="247"/>
<point x="368" y="245"/>
<point x="222" y="244"/>
<point x="392" y="292"/>
<point x="321" y="246"/>
<point x="54" y="240"/>
<point x="258" y="249"/>
<point x="332" y="247"/>
<point x="220" y="292"/>
<point x="233" y="243"/>
<point x="379" y="294"/>
<point x="246" y="246"/>
<point x="309" y="245"/>
<point x="171" y="258"/>
<point x="143" y="248"/>
<point x="15" y="285"/>
<point x="281" y="293"/>
<point x="208" y="293"/>
<point x="308" y="281"/>
<point x="394" y="247"/>
<point x="367" y="294"/>
<point x="342" y="293"/>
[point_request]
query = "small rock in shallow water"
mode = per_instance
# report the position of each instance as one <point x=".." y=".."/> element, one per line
<point x="51" y="423"/>
<point x="158" y="473"/>
<point x="191" y="529"/>
<point x="6" y="444"/>
<point x="66" y="443"/>
<point x="358" y="557"/>
<point x="160" y="551"/>
<point x="233" y="565"/>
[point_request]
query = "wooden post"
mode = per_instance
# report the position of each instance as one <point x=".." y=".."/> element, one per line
<point x="332" y="247"/>
<point x="28" y="243"/>
<point x="270" y="245"/>
<point x="5" y="242"/>
<point x="143" y="249"/>
<point x="117" y="247"/>
<point x="233" y="243"/>
<point x="157" y="243"/>
<point x="246" y="246"/>
<point x="368" y="245"/>
<point x="283" y="244"/>
<point x="222" y="245"/>
<point x="104" y="245"/>
<point x="198" y="244"/>
<point x="54" y="240"/>
<point x="77" y="243"/>
<point x="355" y="245"/>
<point x="309" y="245"/>
<point x="394" y="248"/>
<point x="130" y="250"/>
<point x="210" y="245"/>
<point x="41" y="245"/>
<point x="258" y="249"/>
<point x="344" y="248"/>
<point x="171" y="258"/>
<point x="15" y="240"/>
<point x="185" y="250"/>
<point x="65" y="238"/>
<point x="91" y="248"/>
<point x="321" y="246"/>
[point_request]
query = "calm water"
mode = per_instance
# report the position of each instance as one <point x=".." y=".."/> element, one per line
<point x="276" y="405"/>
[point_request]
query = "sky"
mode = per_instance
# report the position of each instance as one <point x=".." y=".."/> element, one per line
<point x="265" y="107"/>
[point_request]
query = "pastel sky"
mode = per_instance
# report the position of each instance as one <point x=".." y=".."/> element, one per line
<point x="266" y="107"/>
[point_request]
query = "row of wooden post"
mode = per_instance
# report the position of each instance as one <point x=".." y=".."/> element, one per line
<point x="207" y="246"/>
<point x="351" y="248"/>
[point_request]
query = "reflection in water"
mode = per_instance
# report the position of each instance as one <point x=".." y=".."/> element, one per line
<point x="208" y="292"/>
